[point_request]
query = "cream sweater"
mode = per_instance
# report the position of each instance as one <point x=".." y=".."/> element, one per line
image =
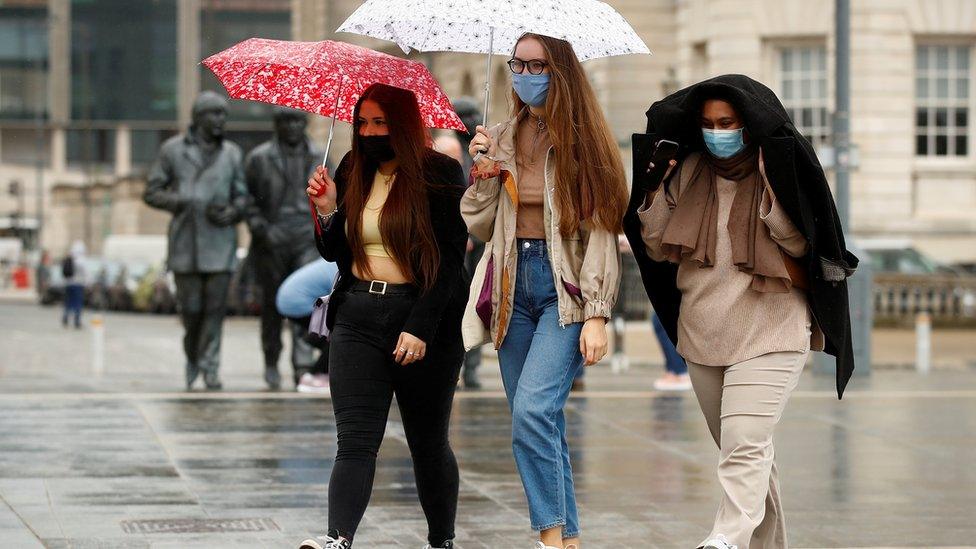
<point x="722" y="320"/>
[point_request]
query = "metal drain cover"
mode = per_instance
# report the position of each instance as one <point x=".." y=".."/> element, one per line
<point x="197" y="526"/>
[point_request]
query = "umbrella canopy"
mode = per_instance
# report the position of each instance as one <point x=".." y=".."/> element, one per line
<point x="325" y="78"/>
<point x="594" y="28"/>
<point x="494" y="26"/>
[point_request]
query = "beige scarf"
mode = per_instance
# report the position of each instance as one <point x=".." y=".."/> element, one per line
<point x="691" y="232"/>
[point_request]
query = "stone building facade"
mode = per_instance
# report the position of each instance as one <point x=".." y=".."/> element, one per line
<point x="912" y="90"/>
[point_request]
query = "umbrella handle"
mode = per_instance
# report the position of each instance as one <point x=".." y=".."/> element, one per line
<point x="335" y="114"/>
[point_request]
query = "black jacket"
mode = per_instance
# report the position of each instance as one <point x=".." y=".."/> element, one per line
<point x="436" y="316"/>
<point x="797" y="180"/>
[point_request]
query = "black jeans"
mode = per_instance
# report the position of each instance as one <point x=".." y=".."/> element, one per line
<point x="364" y="379"/>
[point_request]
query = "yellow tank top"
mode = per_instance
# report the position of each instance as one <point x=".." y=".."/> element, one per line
<point x="372" y="239"/>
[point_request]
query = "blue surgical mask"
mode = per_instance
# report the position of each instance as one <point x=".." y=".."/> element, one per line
<point x="724" y="143"/>
<point x="533" y="89"/>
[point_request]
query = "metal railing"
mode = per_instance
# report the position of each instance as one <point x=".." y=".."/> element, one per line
<point x="948" y="299"/>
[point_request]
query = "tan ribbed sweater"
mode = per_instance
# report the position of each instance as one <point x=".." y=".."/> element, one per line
<point x="722" y="320"/>
<point x="533" y="148"/>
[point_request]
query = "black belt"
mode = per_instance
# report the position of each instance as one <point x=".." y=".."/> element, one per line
<point x="379" y="287"/>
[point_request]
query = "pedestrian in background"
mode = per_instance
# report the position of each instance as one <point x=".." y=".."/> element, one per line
<point x="548" y="198"/>
<point x="75" y="275"/>
<point x="391" y="221"/>
<point x="675" y="376"/>
<point x="761" y="272"/>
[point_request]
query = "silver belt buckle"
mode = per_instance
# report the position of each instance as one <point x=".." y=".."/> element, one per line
<point x="377" y="292"/>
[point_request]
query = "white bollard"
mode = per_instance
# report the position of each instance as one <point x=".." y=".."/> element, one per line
<point x="923" y="343"/>
<point x="619" y="362"/>
<point x="98" y="345"/>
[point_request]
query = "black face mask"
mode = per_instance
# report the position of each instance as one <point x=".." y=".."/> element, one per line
<point x="377" y="148"/>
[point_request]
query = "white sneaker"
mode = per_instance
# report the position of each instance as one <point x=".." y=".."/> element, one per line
<point x="719" y="542"/>
<point x="540" y="545"/>
<point x="673" y="383"/>
<point x="325" y="542"/>
<point x="313" y="383"/>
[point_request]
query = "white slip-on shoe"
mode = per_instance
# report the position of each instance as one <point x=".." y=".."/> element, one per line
<point x="540" y="545"/>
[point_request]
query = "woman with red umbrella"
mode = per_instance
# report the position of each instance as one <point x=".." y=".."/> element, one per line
<point x="390" y="220"/>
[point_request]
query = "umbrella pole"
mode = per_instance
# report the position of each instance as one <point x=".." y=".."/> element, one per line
<point x="335" y="114"/>
<point x="491" y="46"/>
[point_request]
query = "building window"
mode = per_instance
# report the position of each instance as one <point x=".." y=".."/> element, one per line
<point x="23" y="62"/>
<point x="123" y="60"/>
<point x="90" y="148"/>
<point x="942" y="100"/>
<point x="226" y="22"/>
<point x="145" y="145"/>
<point x="803" y="85"/>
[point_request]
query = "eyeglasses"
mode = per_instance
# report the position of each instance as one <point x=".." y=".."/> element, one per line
<point x="535" y="66"/>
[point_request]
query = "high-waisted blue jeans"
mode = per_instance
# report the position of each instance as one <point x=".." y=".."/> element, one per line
<point x="538" y="360"/>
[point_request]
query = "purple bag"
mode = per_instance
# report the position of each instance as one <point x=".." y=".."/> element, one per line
<point x="320" y="313"/>
<point x="483" y="305"/>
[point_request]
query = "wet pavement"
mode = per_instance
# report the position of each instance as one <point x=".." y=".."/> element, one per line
<point x="119" y="456"/>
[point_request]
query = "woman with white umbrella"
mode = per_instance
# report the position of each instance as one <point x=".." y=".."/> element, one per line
<point x="548" y="199"/>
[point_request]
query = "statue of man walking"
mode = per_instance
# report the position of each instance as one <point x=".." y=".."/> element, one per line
<point x="283" y="239"/>
<point x="199" y="179"/>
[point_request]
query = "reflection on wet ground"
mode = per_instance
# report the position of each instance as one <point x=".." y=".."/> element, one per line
<point x="885" y="469"/>
<point x="128" y="460"/>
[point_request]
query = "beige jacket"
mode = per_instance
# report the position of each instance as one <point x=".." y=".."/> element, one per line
<point x="586" y="266"/>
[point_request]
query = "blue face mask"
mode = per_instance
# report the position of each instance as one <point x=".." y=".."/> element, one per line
<point x="533" y="89"/>
<point x="724" y="143"/>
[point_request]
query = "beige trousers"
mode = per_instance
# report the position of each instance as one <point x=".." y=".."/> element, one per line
<point x="742" y="404"/>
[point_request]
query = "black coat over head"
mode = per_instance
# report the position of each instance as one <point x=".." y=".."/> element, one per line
<point x="797" y="179"/>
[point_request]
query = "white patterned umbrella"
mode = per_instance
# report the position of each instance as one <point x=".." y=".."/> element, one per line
<point x="494" y="26"/>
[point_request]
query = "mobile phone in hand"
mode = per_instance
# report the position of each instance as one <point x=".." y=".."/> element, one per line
<point x="664" y="152"/>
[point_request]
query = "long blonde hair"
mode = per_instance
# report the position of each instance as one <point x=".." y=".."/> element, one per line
<point x="590" y="179"/>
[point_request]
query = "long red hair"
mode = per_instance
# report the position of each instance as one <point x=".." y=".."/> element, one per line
<point x="405" y="218"/>
<point x="590" y="179"/>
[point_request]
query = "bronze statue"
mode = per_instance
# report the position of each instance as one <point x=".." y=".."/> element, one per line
<point x="198" y="178"/>
<point x="279" y="217"/>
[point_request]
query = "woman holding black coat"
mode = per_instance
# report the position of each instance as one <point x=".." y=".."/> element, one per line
<point x="391" y="221"/>
<point x="743" y="256"/>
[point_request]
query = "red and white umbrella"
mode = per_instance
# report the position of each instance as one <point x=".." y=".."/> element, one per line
<point x="325" y="78"/>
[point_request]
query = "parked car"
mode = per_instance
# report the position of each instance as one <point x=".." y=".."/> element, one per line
<point x="895" y="255"/>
